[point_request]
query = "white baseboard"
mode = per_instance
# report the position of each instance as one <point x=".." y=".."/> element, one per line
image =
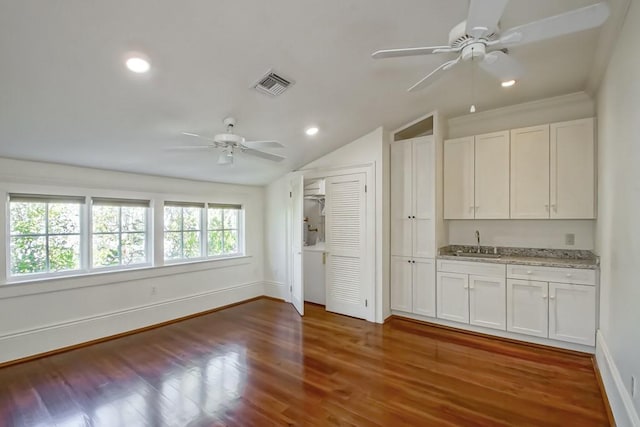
<point x="620" y="400"/>
<point x="43" y="339"/>
<point x="276" y="290"/>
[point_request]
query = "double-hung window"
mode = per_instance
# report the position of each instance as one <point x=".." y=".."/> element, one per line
<point x="119" y="232"/>
<point x="45" y="234"/>
<point x="183" y="228"/>
<point x="224" y="230"/>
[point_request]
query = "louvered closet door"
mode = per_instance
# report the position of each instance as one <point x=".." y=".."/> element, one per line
<point x="346" y="245"/>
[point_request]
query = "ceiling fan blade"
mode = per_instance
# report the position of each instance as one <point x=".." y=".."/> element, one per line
<point x="432" y="75"/>
<point x="190" y="148"/>
<point x="263" y="154"/>
<point x="483" y="17"/>
<point x="195" y="135"/>
<point x="263" y="144"/>
<point x="411" y="51"/>
<point x="566" y="23"/>
<point x="502" y="66"/>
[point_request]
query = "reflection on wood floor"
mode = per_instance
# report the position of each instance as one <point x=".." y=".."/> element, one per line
<point x="260" y="364"/>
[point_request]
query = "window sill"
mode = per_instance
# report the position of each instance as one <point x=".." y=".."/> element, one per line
<point x="31" y="286"/>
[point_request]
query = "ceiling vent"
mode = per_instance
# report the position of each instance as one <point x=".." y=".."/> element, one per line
<point x="272" y="84"/>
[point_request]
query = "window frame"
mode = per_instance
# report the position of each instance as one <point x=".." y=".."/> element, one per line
<point x="240" y="229"/>
<point x="202" y="231"/>
<point x="47" y="199"/>
<point x="147" y="233"/>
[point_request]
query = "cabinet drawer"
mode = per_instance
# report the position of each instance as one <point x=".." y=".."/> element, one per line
<point x="475" y="268"/>
<point x="552" y="274"/>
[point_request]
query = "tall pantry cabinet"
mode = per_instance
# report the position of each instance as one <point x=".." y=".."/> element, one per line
<point x="413" y="224"/>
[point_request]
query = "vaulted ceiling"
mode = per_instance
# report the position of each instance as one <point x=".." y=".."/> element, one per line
<point x="66" y="97"/>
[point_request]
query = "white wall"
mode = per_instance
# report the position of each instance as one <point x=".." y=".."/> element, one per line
<point x="618" y="224"/>
<point x="39" y="316"/>
<point x="523" y="233"/>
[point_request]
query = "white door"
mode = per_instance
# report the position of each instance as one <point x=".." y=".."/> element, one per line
<point x="401" y="284"/>
<point x="346" y="245"/>
<point x="453" y="296"/>
<point x="424" y="287"/>
<point x="527" y="307"/>
<point x="492" y="176"/>
<point x="296" y="236"/>
<point x="530" y="172"/>
<point x="458" y="178"/>
<point x="424" y="175"/>
<point x="573" y="170"/>
<point x="401" y="203"/>
<point x="488" y="302"/>
<point x="572" y="313"/>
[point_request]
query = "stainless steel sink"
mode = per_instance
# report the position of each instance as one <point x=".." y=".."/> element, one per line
<point x="475" y="255"/>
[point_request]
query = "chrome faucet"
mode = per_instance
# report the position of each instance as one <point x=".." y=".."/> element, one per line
<point x="478" y="239"/>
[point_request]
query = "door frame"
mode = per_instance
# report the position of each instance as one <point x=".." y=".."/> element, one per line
<point x="370" y="255"/>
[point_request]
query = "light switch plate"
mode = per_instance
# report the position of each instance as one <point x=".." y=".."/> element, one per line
<point x="569" y="239"/>
<point x="634" y="386"/>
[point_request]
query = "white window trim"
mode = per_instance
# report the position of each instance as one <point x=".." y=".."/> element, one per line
<point x="241" y="241"/>
<point x="202" y="230"/>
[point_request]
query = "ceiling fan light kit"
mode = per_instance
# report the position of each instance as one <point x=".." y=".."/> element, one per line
<point x="480" y="39"/>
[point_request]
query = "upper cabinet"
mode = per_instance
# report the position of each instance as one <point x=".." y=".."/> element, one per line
<point x="413" y="197"/>
<point x="530" y="172"/>
<point x="476" y="177"/>
<point x="572" y="188"/>
<point x="538" y="172"/>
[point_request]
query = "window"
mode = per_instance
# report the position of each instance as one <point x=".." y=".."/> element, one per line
<point x="223" y="229"/>
<point x="183" y="230"/>
<point x="44" y="233"/>
<point x="119" y="232"/>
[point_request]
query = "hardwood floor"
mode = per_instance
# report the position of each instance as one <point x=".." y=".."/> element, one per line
<point x="260" y="364"/>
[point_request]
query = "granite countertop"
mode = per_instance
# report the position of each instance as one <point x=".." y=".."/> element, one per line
<point x="525" y="256"/>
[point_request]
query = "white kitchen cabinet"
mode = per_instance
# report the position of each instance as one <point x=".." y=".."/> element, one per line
<point x="459" y="170"/>
<point x="530" y="172"/>
<point x="572" y="313"/>
<point x="491" y="176"/>
<point x="527" y="307"/>
<point x="401" y="199"/>
<point x="572" y="191"/>
<point x="453" y="296"/>
<point x="424" y="287"/>
<point x="401" y="284"/>
<point x="413" y="198"/>
<point x="487" y="302"/>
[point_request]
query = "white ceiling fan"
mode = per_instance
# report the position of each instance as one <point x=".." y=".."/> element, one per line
<point x="230" y="144"/>
<point x="480" y="39"/>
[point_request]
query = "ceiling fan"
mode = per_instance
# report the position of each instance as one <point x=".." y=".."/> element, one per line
<point x="480" y="39"/>
<point x="231" y="144"/>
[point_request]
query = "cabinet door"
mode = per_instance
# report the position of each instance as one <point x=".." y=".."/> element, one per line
<point x="453" y="297"/>
<point x="530" y="172"/>
<point x="458" y="178"/>
<point x="401" y="284"/>
<point x="424" y="287"/>
<point x="492" y="176"/>
<point x="527" y="307"/>
<point x="424" y="197"/>
<point x="401" y="203"/>
<point x="487" y="302"/>
<point x="572" y="313"/>
<point x="573" y="170"/>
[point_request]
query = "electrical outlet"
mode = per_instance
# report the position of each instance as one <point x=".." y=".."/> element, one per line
<point x="154" y="290"/>
<point x="569" y="239"/>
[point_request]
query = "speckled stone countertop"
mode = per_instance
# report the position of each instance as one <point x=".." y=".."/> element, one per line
<point x="564" y="258"/>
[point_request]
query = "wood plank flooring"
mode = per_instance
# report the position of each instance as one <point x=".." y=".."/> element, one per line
<point x="260" y="364"/>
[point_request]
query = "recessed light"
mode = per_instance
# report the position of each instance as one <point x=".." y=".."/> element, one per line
<point x="311" y="131"/>
<point x="138" y="65"/>
<point x="508" y="83"/>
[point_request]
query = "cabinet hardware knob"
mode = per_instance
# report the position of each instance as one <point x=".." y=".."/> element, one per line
<point x="409" y="261"/>
<point x="413" y="262"/>
<point x="414" y="217"/>
<point x="544" y="297"/>
<point x="546" y="207"/>
<point x="466" y="286"/>
<point x="409" y="217"/>
<point x="552" y="296"/>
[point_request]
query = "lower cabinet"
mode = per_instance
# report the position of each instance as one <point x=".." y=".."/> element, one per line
<point x="413" y="287"/>
<point x="453" y="296"/>
<point x="559" y="311"/>
<point x="487" y="297"/>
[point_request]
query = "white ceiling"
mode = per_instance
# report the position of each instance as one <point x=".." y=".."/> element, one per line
<point x="66" y="97"/>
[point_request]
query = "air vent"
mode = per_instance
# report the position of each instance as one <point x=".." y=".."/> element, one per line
<point x="272" y="84"/>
